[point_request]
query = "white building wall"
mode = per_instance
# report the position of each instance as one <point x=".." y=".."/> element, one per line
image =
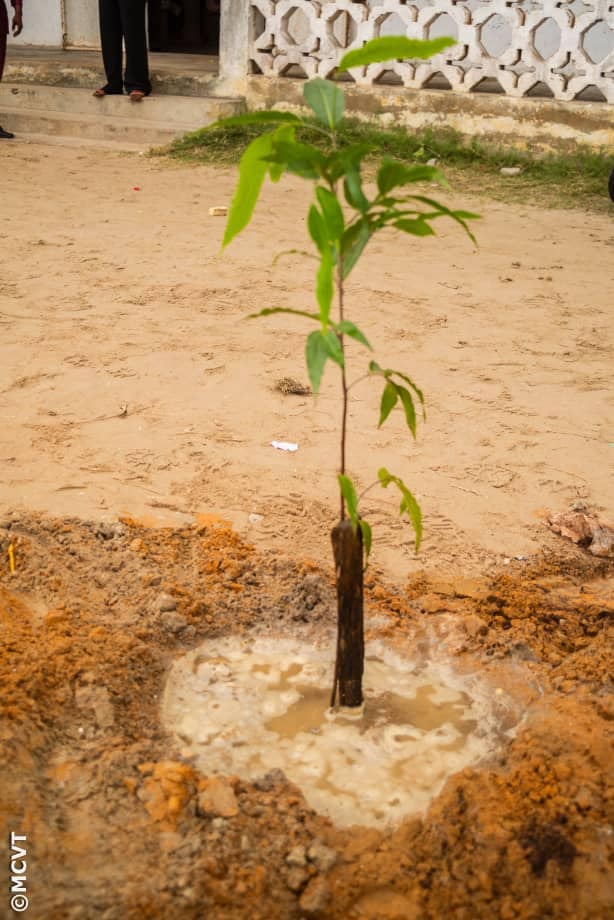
<point x="43" y="23"/>
<point x="81" y="18"/>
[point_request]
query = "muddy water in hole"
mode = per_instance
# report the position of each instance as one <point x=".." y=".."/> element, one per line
<point x="246" y="710"/>
<point x="311" y="712"/>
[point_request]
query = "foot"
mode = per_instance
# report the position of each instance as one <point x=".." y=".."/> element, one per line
<point x="137" y="95"/>
<point x="106" y="91"/>
<point x="6" y="134"/>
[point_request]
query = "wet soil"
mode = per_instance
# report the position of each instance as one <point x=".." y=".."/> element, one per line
<point x="120" y="823"/>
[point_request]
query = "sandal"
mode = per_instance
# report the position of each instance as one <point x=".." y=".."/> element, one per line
<point x="105" y="91"/>
<point x="137" y="95"/>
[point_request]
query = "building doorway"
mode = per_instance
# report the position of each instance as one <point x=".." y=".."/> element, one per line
<point x="184" y="26"/>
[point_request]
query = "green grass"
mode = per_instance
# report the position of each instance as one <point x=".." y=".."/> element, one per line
<point x="575" y="179"/>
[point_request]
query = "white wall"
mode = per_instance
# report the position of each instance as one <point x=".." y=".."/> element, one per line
<point x="42" y="23"/>
<point x="81" y="23"/>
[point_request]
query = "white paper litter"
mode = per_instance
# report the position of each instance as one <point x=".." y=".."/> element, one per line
<point x="284" y="445"/>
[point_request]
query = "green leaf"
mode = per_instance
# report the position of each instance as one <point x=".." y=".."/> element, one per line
<point x="390" y="398"/>
<point x="301" y="159"/>
<point x="331" y="212"/>
<point x="326" y="100"/>
<point x="374" y="368"/>
<point x="324" y="285"/>
<point x="408" y="406"/>
<point x="416" y="227"/>
<point x="347" y="159"/>
<point x="349" y="495"/>
<point x="408" y="505"/>
<point x="367" y="536"/>
<point x="285" y="133"/>
<point x="454" y="215"/>
<point x="353" y="243"/>
<point x="316" y="354"/>
<point x="333" y="347"/>
<point x="392" y="175"/>
<point x="393" y="47"/>
<point x="411" y="383"/>
<point x="348" y="328"/>
<point x="354" y="195"/>
<point x="269" y="311"/>
<point x="317" y="228"/>
<point x="252" y="170"/>
<point x="271" y="117"/>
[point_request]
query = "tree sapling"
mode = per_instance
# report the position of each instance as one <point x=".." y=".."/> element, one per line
<point x="341" y="221"/>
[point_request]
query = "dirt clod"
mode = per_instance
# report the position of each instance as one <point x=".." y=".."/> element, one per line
<point x="315" y="897"/>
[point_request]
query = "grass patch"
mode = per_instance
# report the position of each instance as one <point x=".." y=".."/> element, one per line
<point x="575" y="179"/>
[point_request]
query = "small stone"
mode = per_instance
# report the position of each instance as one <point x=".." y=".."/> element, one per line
<point x="585" y="798"/>
<point x="296" y="878"/>
<point x="173" y="622"/>
<point x="270" y="780"/>
<point x="255" y="518"/>
<point x="474" y="626"/>
<point x="218" y="799"/>
<point x="603" y="542"/>
<point x="432" y="162"/>
<point x="323" y="857"/>
<point x="166" y="602"/>
<point x="315" y="897"/>
<point x="106" y="531"/>
<point x="297" y="857"/>
<point x="510" y="170"/>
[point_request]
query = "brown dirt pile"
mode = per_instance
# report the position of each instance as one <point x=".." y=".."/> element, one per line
<point x="121" y="825"/>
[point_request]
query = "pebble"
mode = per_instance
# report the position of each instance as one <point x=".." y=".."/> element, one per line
<point x="585" y="798"/>
<point x="323" y="857"/>
<point x="271" y="779"/>
<point x="315" y="897"/>
<point x="510" y="170"/>
<point x="296" y="878"/>
<point x="165" y="603"/>
<point x="474" y="626"/>
<point x="173" y="622"/>
<point x="108" y="530"/>
<point x="218" y="799"/>
<point x="297" y="856"/>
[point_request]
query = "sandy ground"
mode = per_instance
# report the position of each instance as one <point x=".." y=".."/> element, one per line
<point x="113" y="292"/>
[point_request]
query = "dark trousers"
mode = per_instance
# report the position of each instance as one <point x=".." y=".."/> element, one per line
<point x="2" y="51"/>
<point x="4" y="27"/>
<point x="124" y="19"/>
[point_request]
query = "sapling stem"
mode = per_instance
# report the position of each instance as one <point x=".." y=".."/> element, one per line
<point x="344" y="386"/>
<point x="358" y="380"/>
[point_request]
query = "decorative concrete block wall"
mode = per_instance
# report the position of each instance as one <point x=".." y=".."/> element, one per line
<point x="562" y="49"/>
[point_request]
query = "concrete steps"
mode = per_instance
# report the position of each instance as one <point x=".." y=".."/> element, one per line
<point x="31" y="108"/>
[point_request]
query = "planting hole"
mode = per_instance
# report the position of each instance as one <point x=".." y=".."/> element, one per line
<point x="247" y="710"/>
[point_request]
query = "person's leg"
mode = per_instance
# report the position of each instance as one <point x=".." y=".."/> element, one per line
<point x="4" y="29"/>
<point x="135" y="39"/>
<point x="4" y="135"/>
<point x="111" y="41"/>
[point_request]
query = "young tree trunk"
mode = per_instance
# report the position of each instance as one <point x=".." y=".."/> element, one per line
<point x="347" y="549"/>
